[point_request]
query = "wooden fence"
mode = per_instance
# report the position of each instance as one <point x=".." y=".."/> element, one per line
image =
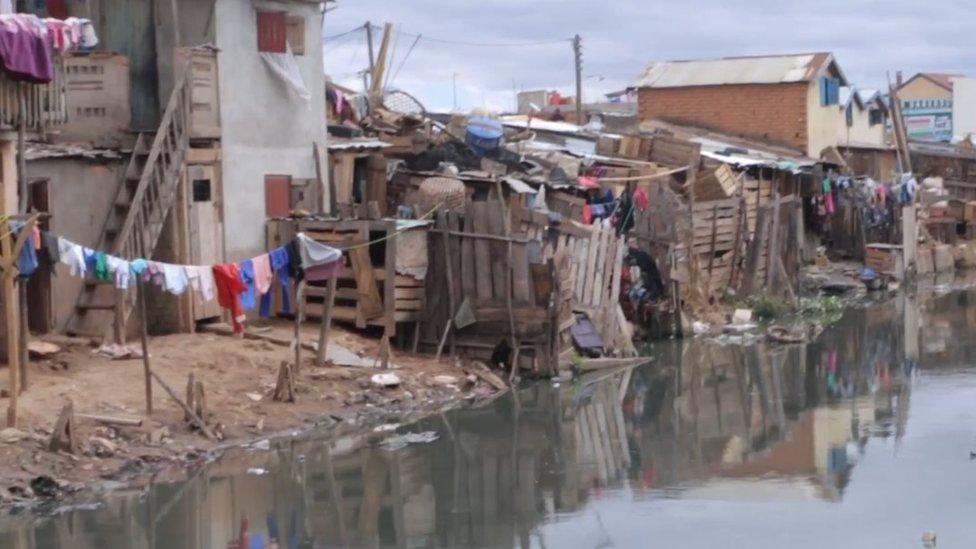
<point x="523" y="279"/>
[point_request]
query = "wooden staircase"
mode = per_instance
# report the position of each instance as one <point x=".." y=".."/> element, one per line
<point x="147" y="193"/>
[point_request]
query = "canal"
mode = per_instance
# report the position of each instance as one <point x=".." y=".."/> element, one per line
<point x="860" y="438"/>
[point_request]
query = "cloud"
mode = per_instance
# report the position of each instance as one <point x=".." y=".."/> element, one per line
<point x="620" y="37"/>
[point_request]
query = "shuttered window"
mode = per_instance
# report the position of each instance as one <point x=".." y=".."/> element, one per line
<point x="272" y="32"/>
<point x="277" y="195"/>
<point x="829" y="91"/>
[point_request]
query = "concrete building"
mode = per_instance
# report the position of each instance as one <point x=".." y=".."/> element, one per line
<point x="865" y="114"/>
<point x="789" y="100"/>
<point x="254" y="100"/>
<point x="926" y="101"/>
<point x="964" y="109"/>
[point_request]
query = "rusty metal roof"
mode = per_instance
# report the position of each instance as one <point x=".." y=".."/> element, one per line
<point x="769" y="69"/>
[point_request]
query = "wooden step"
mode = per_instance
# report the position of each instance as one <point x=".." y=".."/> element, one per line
<point x="85" y="307"/>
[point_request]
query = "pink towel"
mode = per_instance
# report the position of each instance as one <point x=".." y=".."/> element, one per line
<point x="262" y="273"/>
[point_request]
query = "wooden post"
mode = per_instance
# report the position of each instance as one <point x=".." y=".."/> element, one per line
<point x="189" y="411"/>
<point x="449" y="270"/>
<point x="23" y="332"/>
<point x="326" y="323"/>
<point x="177" y="38"/>
<point x="144" y="340"/>
<point x="299" y="312"/>
<point x="12" y="323"/>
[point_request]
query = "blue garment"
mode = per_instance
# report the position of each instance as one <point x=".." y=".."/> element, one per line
<point x="91" y="259"/>
<point x="27" y="260"/>
<point x="246" y="269"/>
<point x="138" y="266"/>
<point x="280" y="261"/>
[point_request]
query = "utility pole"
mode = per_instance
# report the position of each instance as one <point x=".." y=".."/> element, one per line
<point x="578" y="55"/>
<point x="369" y="45"/>
<point x="454" y="87"/>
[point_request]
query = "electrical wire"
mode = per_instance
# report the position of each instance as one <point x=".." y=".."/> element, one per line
<point x="405" y="57"/>
<point x="341" y="34"/>
<point x="485" y="44"/>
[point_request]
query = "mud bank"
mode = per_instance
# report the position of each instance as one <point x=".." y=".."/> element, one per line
<point x="238" y="377"/>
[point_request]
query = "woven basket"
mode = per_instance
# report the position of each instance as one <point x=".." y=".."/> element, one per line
<point x="447" y="192"/>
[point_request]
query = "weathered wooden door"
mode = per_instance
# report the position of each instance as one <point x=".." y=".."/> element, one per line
<point x="206" y="228"/>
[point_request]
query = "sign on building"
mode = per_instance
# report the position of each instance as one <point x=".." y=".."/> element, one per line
<point x="928" y="119"/>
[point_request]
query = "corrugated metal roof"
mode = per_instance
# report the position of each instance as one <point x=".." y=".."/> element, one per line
<point x="345" y="144"/>
<point x="772" y="69"/>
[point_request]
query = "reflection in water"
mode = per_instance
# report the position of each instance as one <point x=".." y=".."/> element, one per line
<point x="706" y="421"/>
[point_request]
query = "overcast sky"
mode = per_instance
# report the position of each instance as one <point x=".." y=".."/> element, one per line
<point x="620" y="37"/>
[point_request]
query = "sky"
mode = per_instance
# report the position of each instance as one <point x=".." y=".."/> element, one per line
<point x="525" y="44"/>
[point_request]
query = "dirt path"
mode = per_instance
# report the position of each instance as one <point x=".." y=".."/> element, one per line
<point x="238" y="377"/>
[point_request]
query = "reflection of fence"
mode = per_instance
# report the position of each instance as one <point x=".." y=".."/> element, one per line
<point x="45" y="103"/>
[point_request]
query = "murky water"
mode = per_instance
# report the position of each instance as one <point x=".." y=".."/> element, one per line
<point x="861" y="438"/>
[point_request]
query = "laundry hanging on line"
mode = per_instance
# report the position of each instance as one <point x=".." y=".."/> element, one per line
<point x="236" y="286"/>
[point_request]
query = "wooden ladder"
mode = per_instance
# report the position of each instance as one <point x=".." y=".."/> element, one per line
<point x="147" y="193"/>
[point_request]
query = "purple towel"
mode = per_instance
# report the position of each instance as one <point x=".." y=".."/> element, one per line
<point x="25" y="55"/>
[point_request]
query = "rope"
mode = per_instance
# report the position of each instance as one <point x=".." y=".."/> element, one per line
<point x="645" y="177"/>
<point x="393" y="234"/>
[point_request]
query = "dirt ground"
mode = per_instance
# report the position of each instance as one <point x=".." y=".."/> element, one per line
<point x="238" y="376"/>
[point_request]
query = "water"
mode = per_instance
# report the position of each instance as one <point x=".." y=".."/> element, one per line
<point x="861" y="438"/>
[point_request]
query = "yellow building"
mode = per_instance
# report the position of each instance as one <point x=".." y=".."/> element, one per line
<point x="926" y="100"/>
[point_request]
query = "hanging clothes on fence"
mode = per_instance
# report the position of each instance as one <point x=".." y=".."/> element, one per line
<point x="319" y="261"/>
<point x="24" y="51"/>
<point x="27" y="260"/>
<point x="263" y="276"/>
<point x="122" y="270"/>
<point x="247" y="278"/>
<point x="229" y="289"/>
<point x="280" y="264"/>
<point x="202" y="281"/>
<point x="73" y="255"/>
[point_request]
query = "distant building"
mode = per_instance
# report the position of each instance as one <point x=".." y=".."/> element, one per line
<point x="789" y="100"/>
<point x="926" y="101"/>
<point x="865" y="113"/>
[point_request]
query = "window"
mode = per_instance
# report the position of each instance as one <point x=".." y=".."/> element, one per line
<point x="829" y="91"/>
<point x="875" y="117"/>
<point x="272" y="32"/>
<point x="296" y="34"/>
<point x="201" y="190"/>
<point x="849" y="114"/>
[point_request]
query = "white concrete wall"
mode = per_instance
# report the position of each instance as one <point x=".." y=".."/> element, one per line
<point x="963" y="107"/>
<point x="824" y="123"/>
<point x="267" y="129"/>
<point x="861" y="132"/>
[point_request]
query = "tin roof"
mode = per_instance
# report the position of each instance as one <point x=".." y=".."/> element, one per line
<point x="355" y="143"/>
<point x="941" y="79"/>
<point x="768" y="69"/>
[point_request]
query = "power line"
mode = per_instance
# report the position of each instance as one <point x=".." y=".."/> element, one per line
<point x="405" y="57"/>
<point x="341" y="34"/>
<point x="487" y="44"/>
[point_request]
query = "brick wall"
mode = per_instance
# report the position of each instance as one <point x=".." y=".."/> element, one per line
<point x="776" y="113"/>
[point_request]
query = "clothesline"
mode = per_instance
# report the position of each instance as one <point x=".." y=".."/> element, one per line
<point x="236" y="286"/>
<point x="27" y="43"/>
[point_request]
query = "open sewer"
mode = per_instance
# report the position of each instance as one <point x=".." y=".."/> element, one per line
<point x="860" y="438"/>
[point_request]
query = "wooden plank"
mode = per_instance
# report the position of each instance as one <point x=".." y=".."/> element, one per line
<point x="370" y="305"/>
<point x="591" y="256"/>
<point x="596" y="291"/>
<point x="409" y="293"/>
<point x="498" y="250"/>
<point x="482" y="271"/>
<point x="618" y="266"/>
<point x="521" y="288"/>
